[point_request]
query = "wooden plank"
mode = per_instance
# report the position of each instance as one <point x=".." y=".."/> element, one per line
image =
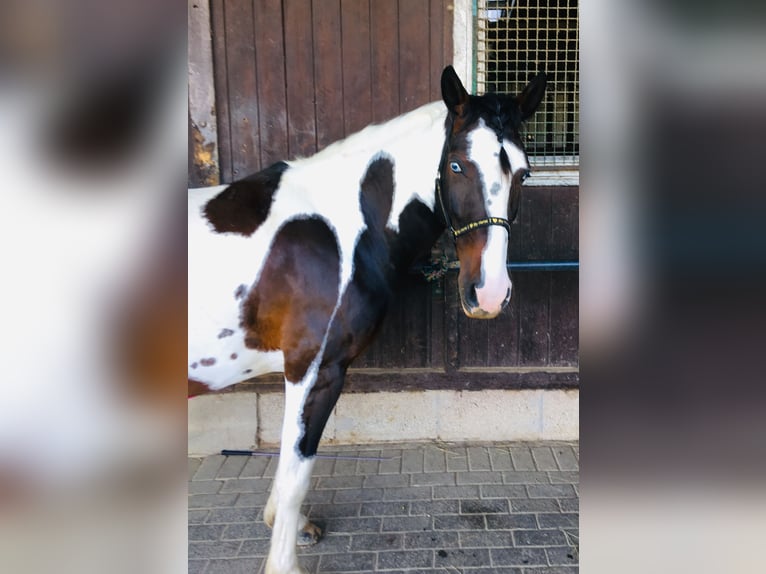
<point x="384" y="73"/>
<point x="220" y="78"/>
<point x="299" y="75"/>
<point x="565" y="228"/>
<point x="355" y="45"/>
<point x="272" y="99"/>
<point x="534" y="299"/>
<point x="564" y="319"/>
<point x="328" y="71"/>
<point x="202" y="116"/>
<point x="414" y="67"/>
<point x="437" y="16"/>
<point x="242" y="82"/>
<point x="503" y="334"/>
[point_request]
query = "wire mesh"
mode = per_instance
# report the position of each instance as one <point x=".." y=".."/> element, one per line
<point x="514" y="40"/>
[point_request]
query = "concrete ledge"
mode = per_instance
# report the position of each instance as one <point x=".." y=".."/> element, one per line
<point x="245" y="420"/>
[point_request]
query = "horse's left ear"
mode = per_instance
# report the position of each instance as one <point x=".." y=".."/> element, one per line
<point x="530" y="97"/>
<point x="454" y="94"/>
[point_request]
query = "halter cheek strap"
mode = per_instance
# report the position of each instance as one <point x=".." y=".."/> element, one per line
<point x="473" y="225"/>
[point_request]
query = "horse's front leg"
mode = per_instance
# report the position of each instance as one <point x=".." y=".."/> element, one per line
<point x="307" y="407"/>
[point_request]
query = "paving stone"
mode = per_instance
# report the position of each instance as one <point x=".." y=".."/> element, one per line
<point x="478" y="458"/>
<point x="481" y="477"/>
<point x="198" y="516"/>
<point x="434" y="459"/>
<point x="387" y="480"/>
<point x="500" y="458"/>
<point x="235" y="566"/>
<point x="550" y="491"/>
<point x="562" y="555"/>
<point x="247" y="485"/>
<point x="254" y="467"/>
<point x="434" y="479"/>
<point x="519" y="557"/>
<point x="534" y="505"/>
<point x="193" y="464"/>
<point x="474" y="509"/>
<point x="347" y="562"/>
<point x="503" y="491"/>
<point x="405" y="559"/>
<point x="232" y="466"/>
<point x="406" y="523"/>
<point x="398" y="508"/>
<point x="408" y="493"/>
<point x="208" y="468"/>
<point x="568" y="476"/>
<point x="511" y="521"/>
<point x="524" y="477"/>
<point x="522" y="458"/>
<point x="569" y="504"/>
<point x="211" y="500"/>
<point x="412" y="461"/>
<point x="434" y="507"/>
<point x="432" y="539"/>
<point x="457" y="459"/>
<point x="255" y="547"/>
<point x="539" y="538"/>
<point x="242" y="530"/>
<point x="455" y="557"/>
<point x="354" y="525"/>
<point x="205" y="531"/>
<point x="544" y="459"/>
<point x="357" y="495"/>
<point x="393" y="464"/>
<point x="566" y="458"/>
<point x="205" y="486"/>
<point x="488" y="506"/>
<point x="485" y="539"/>
<point x="384" y="541"/>
<point x="334" y="510"/>
<point x="558" y="520"/>
<point x="336" y="482"/>
<point x="217" y="549"/>
<point x="456" y="492"/>
<point x="459" y="522"/>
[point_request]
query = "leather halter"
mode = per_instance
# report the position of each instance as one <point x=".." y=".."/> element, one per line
<point x="473" y="225"/>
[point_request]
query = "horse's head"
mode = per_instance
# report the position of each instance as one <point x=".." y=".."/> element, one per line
<point x="482" y="168"/>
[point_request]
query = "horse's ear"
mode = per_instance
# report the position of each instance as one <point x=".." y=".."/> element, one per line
<point x="532" y="95"/>
<point x="453" y="92"/>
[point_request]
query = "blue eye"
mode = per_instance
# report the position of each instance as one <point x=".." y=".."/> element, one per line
<point x="455" y="166"/>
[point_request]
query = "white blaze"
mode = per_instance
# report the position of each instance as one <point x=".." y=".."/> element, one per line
<point x="484" y="152"/>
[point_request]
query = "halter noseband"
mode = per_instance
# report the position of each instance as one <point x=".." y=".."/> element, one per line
<point x="473" y="225"/>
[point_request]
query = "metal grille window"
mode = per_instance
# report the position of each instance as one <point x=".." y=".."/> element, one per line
<point x="514" y="40"/>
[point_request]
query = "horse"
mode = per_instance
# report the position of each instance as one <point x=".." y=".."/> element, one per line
<point x="291" y="269"/>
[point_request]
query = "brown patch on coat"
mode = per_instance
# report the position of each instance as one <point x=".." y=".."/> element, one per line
<point x="196" y="388"/>
<point x="291" y="306"/>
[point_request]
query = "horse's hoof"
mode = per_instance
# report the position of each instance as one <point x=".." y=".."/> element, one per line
<point x="310" y="535"/>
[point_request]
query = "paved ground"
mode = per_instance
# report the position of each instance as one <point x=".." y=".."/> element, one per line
<point x="471" y="509"/>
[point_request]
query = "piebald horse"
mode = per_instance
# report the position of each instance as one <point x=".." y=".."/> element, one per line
<point x="291" y="269"/>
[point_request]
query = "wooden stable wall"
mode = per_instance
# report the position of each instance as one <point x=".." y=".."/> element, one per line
<point x="292" y="77"/>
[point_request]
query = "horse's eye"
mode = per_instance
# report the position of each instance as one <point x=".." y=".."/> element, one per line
<point x="455" y="166"/>
<point x="525" y="176"/>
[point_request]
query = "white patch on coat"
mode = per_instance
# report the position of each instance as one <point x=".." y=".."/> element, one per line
<point x="483" y="151"/>
<point x="516" y="156"/>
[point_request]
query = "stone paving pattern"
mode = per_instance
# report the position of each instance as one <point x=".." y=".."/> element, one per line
<point x="461" y="509"/>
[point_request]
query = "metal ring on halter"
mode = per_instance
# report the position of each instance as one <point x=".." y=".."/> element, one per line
<point x="473" y="225"/>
